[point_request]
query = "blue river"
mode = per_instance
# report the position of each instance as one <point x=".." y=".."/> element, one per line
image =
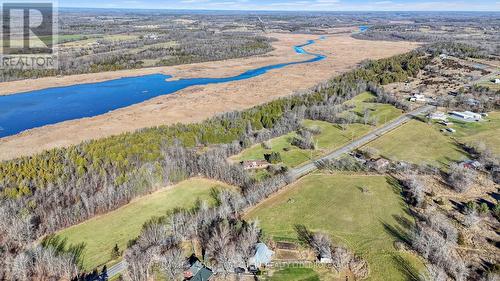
<point x="23" y="111"/>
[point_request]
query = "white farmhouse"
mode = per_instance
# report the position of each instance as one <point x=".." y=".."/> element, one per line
<point x="497" y="81"/>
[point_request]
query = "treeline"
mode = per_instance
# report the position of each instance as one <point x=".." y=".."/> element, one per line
<point x="191" y="47"/>
<point x="456" y="49"/>
<point x="61" y="187"/>
<point x="169" y="48"/>
<point x="475" y="36"/>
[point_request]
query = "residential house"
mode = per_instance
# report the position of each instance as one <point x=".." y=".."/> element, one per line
<point x="497" y="81"/>
<point x="262" y="257"/>
<point x="254" y="164"/>
<point x="196" y="271"/>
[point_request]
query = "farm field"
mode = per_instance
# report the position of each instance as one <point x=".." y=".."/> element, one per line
<point x="418" y="143"/>
<point x="487" y="132"/>
<point x="335" y="204"/>
<point x="331" y="137"/>
<point x="101" y="233"/>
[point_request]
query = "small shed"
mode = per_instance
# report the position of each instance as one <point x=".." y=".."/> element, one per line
<point x="262" y="257"/>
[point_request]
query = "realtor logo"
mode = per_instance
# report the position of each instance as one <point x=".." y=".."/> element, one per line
<point x="28" y="35"/>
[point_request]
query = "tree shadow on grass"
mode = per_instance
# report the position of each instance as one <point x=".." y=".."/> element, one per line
<point x="395" y="184"/>
<point x="401" y="231"/>
<point x="410" y="272"/>
<point x="304" y="235"/>
<point x="397" y="188"/>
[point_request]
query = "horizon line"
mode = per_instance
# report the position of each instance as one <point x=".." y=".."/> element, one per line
<point x="318" y="11"/>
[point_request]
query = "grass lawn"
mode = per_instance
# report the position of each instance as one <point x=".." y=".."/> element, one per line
<point x="101" y="233"/>
<point x="331" y="137"/>
<point x="336" y="205"/>
<point x="294" y="274"/>
<point x="383" y="112"/>
<point x="419" y="143"/>
<point x="487" y="131"/>
<point x="292" y="158"/>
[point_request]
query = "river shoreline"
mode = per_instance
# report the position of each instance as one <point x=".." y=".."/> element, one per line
<point x="198" y="103"/>
<point x="24" y="111"/>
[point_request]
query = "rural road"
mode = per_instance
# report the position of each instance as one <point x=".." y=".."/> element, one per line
<point x="309" y="167"/>
<point x="306" y="169"/>
<point x="116" y="269"/>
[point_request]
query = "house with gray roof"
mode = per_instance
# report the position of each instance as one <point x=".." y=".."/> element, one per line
<point x="198" y="272"/>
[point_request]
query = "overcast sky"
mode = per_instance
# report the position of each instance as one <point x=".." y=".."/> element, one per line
<point x="309" y="5"/>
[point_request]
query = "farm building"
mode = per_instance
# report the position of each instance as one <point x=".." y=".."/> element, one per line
<point x="497" y="81"/>
<point x="438" y="115"/>
<point x="466" y="115"/>
<point x="418" y="98"/>
<point x="262" y="256"/>
<point x="254" y="164"/>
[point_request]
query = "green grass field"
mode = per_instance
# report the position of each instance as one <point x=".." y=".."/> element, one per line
<point x="383" y="112"/>
<point x="331" y="137"/>
<point x="419" y="143"/>
<point x="101" y="233"/>
<point x="336" y="205"/>
<point x="295" y="274"/>
<point x="487" y="132"/>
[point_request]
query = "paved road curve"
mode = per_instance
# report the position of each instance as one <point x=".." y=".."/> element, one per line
<point x="309" y="167"/>
<point x="306" y="169"/>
